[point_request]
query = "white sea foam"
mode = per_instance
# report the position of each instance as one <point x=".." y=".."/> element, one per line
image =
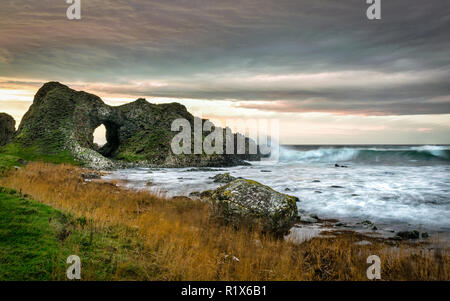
<point x="435" y="150"/>
<point x="319" y="155"/>
<point x="415" y="194"/>
<point x="369" y="154"/>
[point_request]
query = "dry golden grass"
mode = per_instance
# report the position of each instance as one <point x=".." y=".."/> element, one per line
<point x="180" y="240"/>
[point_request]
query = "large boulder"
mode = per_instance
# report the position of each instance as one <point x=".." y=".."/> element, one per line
<point x="61" y="119"/>
<point x="246" y="202"/>
<point x="7" y="128"/>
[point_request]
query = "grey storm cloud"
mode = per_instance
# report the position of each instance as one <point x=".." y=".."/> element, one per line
<point x="217" y="49"/>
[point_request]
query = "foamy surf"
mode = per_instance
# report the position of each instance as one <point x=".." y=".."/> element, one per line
<point x="369" y="154"/>
<point x="391" y="188"/>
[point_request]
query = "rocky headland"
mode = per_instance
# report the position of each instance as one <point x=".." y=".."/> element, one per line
<point x="138" y="133"/>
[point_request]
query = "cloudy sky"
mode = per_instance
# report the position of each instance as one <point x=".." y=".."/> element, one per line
<point x="326" y="72"/>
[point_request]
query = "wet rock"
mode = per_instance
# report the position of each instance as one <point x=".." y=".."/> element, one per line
<point x="201" y="195"/>
<point x="246" y="202"/>
<point x="313" y="215"/>
<point x="366" y="223"/>
<point x="336" y="186"/>
<point x="316" y="181"/>
<point x="287" y="189"/>
<point x="395" y="238"/>
<point x="223" y="178"/>
<point x="194" y="194"/>
<point x="181" y="198"/>
<point x="337" y="165"/>
<point x="91" y="175"/>
<point x="339" y="224"/>
<point x="308" y="219"/>
<point x="408" y="234"/>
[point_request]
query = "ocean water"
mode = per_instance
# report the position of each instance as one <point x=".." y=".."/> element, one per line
<point x="405" y="185"/>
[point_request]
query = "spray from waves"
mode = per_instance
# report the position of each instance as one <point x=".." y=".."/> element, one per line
<point x="435" y="150"/>
<point x="318" y="155"/>
<point x="374" y="154"/>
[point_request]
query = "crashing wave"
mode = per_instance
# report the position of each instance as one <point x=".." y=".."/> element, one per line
<point x="366" y="154"/>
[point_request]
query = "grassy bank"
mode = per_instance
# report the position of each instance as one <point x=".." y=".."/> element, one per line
<point x="35" y="241"/>
<point x="12" y="155"/>
<point x="141" y="236"/>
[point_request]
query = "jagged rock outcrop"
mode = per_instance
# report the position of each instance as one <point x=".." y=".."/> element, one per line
<point x="7" y="128"/>
<point x="62" y="119"/>
<point x="248" y="202"/>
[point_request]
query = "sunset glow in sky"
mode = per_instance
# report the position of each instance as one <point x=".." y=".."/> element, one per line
<point x="322" y="68"/>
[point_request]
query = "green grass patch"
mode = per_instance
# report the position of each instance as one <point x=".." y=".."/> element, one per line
<point x="14" y="155"/>
<point x="35" y="241"/>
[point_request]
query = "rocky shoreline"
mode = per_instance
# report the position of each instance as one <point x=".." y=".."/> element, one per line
<point x="308" y="225"/>
<point x="138" y="136"/>
<point x="294" y="223"/>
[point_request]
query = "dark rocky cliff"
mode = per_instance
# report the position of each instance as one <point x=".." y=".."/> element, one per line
<point x="7" y="128"/>
<point x="62" y="119"/>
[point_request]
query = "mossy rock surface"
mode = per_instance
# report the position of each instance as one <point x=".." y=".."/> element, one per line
<point x="248" y="202"/>
<point x="7" y="128"/>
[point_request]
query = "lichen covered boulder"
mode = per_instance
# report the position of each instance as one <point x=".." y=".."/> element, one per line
<point x="246" y="202"/>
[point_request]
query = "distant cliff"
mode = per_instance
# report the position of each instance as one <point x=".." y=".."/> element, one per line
<point x="62" y="119"/>
<point x="7" y="128"/>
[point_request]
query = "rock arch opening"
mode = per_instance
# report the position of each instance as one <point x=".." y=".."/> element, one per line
<point x="100" y="136"/>
<point x="106" y="138"/>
